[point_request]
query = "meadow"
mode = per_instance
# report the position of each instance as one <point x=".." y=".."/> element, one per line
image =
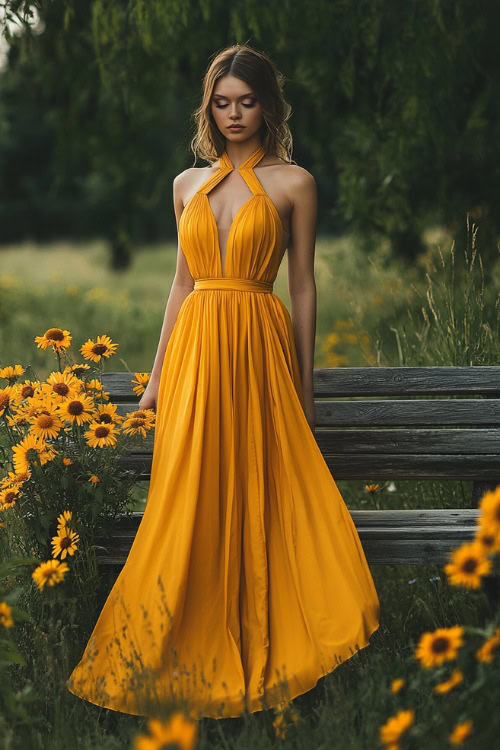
<point x="442" y="309"/>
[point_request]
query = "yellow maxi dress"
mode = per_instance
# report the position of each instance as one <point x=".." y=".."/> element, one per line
<point x="246" y="581"/>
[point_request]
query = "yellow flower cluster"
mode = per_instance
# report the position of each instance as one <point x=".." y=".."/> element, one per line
<point x="64" y="543"/>
<point x="178" y="731"/>
<point x="286" y="715"/>
<point x="328" y="343"/>
<point x="393" y="730"/>
<point x="43" y="411"/>
<point x="469" y="563"/>
<point x="6" y="618"/>
<point x="39" y="415"/>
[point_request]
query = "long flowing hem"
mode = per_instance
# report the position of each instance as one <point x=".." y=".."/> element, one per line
<point x="305" y="688"/>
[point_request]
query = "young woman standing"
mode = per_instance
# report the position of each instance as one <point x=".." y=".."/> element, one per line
<point x="246" y="581"/>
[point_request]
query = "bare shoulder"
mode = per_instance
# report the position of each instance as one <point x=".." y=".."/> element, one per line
<point x="300" y="176"/>
<point x="190" y="173"/>
<point x="188" y="181"/>
<point x="299" y="182"/>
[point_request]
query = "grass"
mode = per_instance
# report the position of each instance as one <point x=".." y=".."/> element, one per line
<point x="71" y="286"/>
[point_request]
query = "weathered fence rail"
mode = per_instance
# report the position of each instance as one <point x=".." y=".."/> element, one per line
<point x="395" y="423"/>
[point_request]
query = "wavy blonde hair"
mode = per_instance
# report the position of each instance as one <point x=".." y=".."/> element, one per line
<point x="259" y="72"/>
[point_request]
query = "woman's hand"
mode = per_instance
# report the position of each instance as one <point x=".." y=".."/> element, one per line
<point x="150" y="396"/>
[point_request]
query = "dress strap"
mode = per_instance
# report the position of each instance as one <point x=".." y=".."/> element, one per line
<point x="248" y="163"/>
<point x="214" y="179"/>
<point x="245" y="169"/>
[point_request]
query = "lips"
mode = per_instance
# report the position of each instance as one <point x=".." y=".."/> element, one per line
<point x="235" y="127"/>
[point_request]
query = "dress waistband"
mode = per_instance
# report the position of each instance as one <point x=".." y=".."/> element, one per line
<point x="244" y="285"/>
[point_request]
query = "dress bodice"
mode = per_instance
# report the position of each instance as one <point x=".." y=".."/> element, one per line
<point x="253" y="246"/>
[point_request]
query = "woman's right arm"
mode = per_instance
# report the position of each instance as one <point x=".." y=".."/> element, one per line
<point x="182" y="285"/>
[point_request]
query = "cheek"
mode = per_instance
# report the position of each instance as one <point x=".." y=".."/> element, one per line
<point x="219" y="115"/>
<point x="254" y="115"/>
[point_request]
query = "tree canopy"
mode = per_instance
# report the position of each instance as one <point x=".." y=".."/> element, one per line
<point x="395" y="111"/>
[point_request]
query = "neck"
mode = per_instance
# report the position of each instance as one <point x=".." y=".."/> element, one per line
<point x="238" y="152"/>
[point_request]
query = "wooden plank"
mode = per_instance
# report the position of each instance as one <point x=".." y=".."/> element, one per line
<point x="387" y="536"/>
<point x="369" y="381"/>
<point x="450" y="442"/>
<point x="384" y="466"/>
<point x="407" y="381"/>
<point x="419" y="412"/>
<point x="412" y="552"/>
<point x="376" y="467"/>
<point x="407" y="518"/>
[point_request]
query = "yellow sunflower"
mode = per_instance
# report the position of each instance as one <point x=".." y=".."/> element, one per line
<point x="9" y="497"/>
<point x="94" y="479"/>
<point x="48" y="454"/>
<point x="95" y="350"/>
<point x="65" y="543"/>
<point x="148" y="414"/>
<point x="46" y="425"/>
<point x="460" y="732"/>
<point x="18" y="421"/>
<point x="26" y="451"/>
<point x="176" y="731"/>
<point x="485" y="653"/>
<point x="57" y="338"/>
<point x="67" y="461"/>
<point x="137" y="424"/>
<point x="107" y="413"/>
<point x="25" y="390"/>
<point x="96" y="385"/>
<point x="7" y="398"/>
<point x="50" y="572"/>
<point x="77" y="369"/>
<point x="372" y="487"/>
<point x="6" y="615"/>
<point x="391" y="731"/>
<point x="63" y="385"/>
<point x="26" y="410"/>
<point x="14" y="478"/>
<point x="468" y="564"/>
<point x="77" y="410"/>
<point x="397" y="685"/>
<point x="100" y="435"/>
<point x="490" y="507"/>
<point x="64" y="519"/>
<point x="488" y="535"/>
<point x="11" y="372"/>
<point x="435" y="648"/>
<point x="445" y="687"/>
<point x="141" y="380"/>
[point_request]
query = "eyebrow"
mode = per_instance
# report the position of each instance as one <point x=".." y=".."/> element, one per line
<point x="243" y="96"/>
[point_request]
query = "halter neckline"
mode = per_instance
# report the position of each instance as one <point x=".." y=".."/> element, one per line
<point x="248" y="163"/>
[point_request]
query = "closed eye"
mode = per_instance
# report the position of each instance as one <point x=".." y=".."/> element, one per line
<point x="223" y="106"/>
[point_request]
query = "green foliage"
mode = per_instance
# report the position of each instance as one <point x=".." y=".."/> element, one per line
<point x="395" y="112"/>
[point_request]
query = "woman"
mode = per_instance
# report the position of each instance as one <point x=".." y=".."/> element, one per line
<point x="246" y="581"/>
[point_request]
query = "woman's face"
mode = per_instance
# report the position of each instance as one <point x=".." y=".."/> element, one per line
<point x="234" y="103"/>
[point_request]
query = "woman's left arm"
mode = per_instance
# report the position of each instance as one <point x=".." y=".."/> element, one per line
<point x="301" y="282"/>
